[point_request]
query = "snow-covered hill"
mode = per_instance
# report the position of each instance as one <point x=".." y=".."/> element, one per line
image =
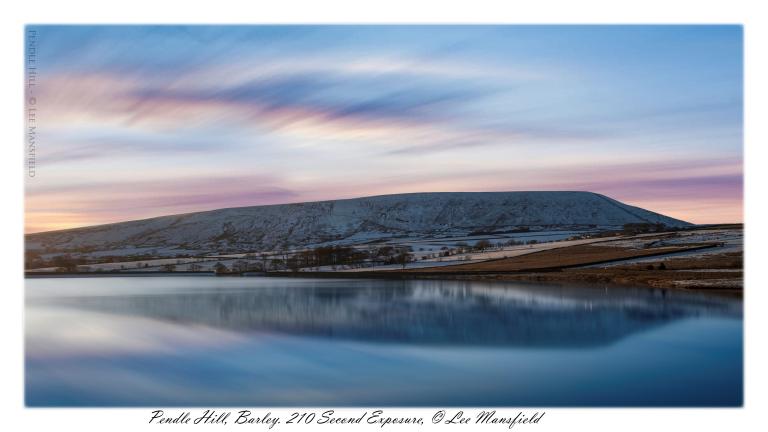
<point x="353" y="221"/>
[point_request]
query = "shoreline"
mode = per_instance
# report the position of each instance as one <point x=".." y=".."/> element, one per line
<point x="658" y="279"/>
<point x="660" y="261"/>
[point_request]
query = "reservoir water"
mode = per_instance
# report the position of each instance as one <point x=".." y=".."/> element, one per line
<point x="251" y="341"/>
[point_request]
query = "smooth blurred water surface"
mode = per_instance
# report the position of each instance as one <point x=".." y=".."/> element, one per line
<point x="215" y="341"/>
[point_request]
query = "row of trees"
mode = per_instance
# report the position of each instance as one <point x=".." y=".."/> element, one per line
<point x="332" y="256"/>
<point x="344" y="255"/>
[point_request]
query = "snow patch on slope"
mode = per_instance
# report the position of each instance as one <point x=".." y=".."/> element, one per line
<point x="295" y="225"/>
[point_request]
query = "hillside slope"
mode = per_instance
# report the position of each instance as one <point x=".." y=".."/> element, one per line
<point x="296" y="225"/>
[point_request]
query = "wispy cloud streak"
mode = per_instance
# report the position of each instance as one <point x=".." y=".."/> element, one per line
<point x="141" y="121"/>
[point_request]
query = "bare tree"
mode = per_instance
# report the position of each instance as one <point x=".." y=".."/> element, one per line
<point x="403" y="257"/>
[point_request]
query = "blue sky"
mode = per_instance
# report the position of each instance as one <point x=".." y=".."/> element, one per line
<point x="140" y="121"/>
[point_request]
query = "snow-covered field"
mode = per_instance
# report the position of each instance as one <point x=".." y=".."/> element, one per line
<point x="424" y="251"/>
<point x="731" y="240"/>
<point x="506" y="252"/>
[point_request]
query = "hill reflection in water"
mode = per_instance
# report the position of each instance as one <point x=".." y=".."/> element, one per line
<point x="451" y="313"/>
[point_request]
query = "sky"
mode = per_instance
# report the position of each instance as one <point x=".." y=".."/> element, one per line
<point x="142" y="121"/>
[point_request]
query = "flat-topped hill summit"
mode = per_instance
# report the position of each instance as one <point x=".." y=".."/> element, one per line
<point x="356" y="220"/>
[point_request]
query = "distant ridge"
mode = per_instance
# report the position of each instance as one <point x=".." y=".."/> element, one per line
<point x="354" y="221"/>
